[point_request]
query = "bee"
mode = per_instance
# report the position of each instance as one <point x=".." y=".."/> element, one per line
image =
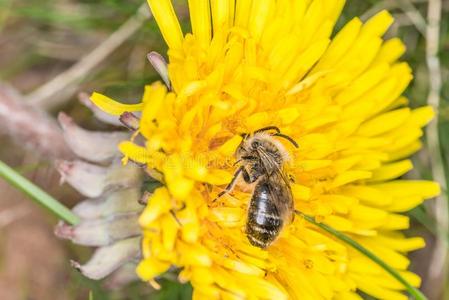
<point x="262" y="157"/>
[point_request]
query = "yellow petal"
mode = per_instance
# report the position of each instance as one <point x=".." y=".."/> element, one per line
<point x="378" y="24"/>
<point x="400" y="243"/>
<point x="158" y="203"/>
<point x="347" y="296"/>
<point x="300" y="191"/>
<point x="373" y="289"/>
<point x="403" y="204"/>
<point x="405" y="151"/>
<point x="150" y="268"/>
<point x="242" y="12"/>
<point x="391" y="171"/>
<point x="423" y="115"/>
<point x="165" y="16"/>
<point x="339" y="45"/>
<point x="339" y="223"/>
<point x="201" y="20"/>
<point x="309" y="165"/>
<point x="396" y="222"/>
<point x="218" y="177"/>
<point x="242" y="267"/>
<point x="305" y="61"/>
<point x="261" y="287"/>
<point x="384" y="123"/>
<point x="363" y="83"/>
<point x="170" y="230"/>
<point x="367" y="194"/>
<point x="229" y="147"/>
<point x="203" y="275"/>
<point x="195" y="255"/>
<point x="221" y="11"/>
<point x="366" y="213"/>
<point x="112" y="107"/>
<point x="226" y="215"/>
<point x="426" y="189"/>
<point x="260" y="12"/>
<point x="178" y="184"/>
<point x="391" y="257"/>
<point x="136" y="153"/>
<point x="350" y="176"/>
<point x="391" y="51"/>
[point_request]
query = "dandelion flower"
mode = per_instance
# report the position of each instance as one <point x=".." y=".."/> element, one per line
<point x="251" y="64"/>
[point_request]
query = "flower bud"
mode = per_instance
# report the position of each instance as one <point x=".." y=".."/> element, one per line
<point x="108" y="259"/>
<point x="93" y="146"/>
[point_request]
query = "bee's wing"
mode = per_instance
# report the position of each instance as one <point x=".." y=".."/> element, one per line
<point x="270" y="164"/>
<point x="279" y="185"/>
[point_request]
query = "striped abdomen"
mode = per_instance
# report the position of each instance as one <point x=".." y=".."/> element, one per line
<point x="264" y="221"/>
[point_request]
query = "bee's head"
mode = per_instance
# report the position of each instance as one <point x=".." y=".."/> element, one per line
<point x="254" y="147"/>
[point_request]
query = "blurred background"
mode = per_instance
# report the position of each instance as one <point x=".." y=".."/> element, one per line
<point x="53" y="51"/>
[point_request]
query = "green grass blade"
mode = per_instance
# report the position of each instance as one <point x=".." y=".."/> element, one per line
<point x="37" y="194"/>
<point x="414" y="292"/>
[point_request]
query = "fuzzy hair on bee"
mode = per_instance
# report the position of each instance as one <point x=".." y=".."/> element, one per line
<point x="265" y="141"/>
<point x="262" y="157"/>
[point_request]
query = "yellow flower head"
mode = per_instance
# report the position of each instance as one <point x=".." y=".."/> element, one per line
<point x="252" y="64"/>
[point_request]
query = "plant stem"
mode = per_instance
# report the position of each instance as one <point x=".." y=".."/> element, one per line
<point x="438" y="263"/>
<point x="37" y="194"/>
<point x="411" y="289"/>
<point x="58" y="90"/>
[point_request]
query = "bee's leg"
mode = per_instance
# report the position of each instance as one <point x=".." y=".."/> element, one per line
<point x="231" y="185"/>
<point x="247" y="177"/>
<point x="173" y="214"/>
<point x="244" y="137"/>
<point x="183" y="206"/>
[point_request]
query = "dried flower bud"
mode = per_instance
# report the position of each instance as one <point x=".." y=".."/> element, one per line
<point x="110" y="203"/>
<point x="130" y="121"/>
<point x="93" y="180"/>
<point x="101" y="232"/>
<point x="93" y="146"/>
<point x="88" y="179"/>
<point x="109" y="217"/>
<point x="160" y="65"/>
<point x="124" y="275"/>
<point x="108" y="259"/>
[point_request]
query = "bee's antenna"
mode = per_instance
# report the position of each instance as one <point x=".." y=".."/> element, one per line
<point x="287" y="138"/>
<point x="275" y="128"/>
<point x="244" y="137"/>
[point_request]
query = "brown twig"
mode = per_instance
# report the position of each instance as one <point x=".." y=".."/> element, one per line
<point x="438" y="263"/>
<point x="58" y="90"/>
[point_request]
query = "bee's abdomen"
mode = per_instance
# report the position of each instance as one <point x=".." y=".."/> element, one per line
<point x="264" y="222"/>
